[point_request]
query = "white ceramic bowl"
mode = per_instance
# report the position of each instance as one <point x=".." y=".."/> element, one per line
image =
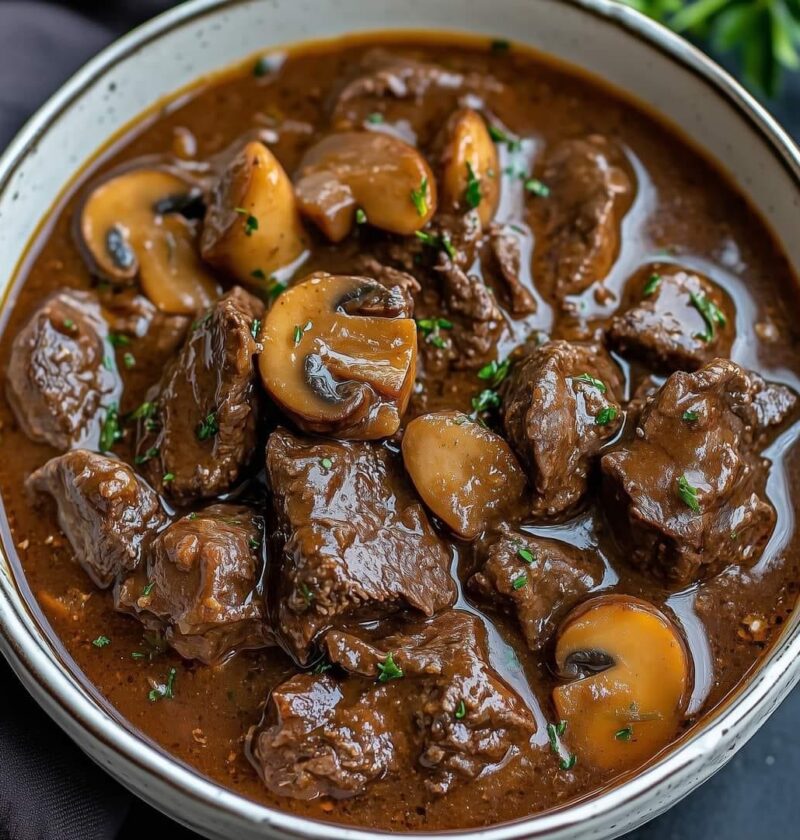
<point x="157" y="60"/>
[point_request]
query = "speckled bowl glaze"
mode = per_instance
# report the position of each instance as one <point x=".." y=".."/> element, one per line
<point x="603" y="38"/>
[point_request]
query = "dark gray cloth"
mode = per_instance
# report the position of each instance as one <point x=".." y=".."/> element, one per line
<point x="48" y="789"/>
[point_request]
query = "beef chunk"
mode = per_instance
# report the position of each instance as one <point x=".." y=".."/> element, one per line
<point x="205" y="409"/>
<point x="536" y="577"/>
<point x="435" y="704"/>
<point x="686" y="495"/>
<point x="201" y="584"/>
<point x="133" y="315"/>
<point x="61" y="372"/>
<point x="560" y="405"/>
<point x="506" y="253"/>
<point x="578" y="225"/>
<point x="108" y="514"/>
<point x="406" y="285"/>
<point x="678" y="320"/>
<point x="355" y="540"/>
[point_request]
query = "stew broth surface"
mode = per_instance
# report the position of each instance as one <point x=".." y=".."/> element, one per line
<point x="683" y="212"/>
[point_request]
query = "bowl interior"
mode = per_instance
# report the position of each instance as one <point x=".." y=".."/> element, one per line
<point x="199" y="38"/>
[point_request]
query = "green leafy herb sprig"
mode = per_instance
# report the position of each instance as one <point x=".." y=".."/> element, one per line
<point x="764" y="34"/>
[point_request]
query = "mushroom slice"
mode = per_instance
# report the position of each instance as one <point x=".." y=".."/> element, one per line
<point x="130" y="227"/>
<point x="252" y="227"/>
<point x="631" y="679"/>
<point x="384" y="177"/>
<point x="336" y="363"/>
<point x="466" y="474"/>
<point x="470" y="168"/>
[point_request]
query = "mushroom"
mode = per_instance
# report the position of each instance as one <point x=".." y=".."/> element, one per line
<point x="389" y="181"/>
<point x="252" y="227"/>
<point x="630" y="679"/>
<point x="339" y="356"/>
<point x="131" y="226"/>
<point x="470" y="167"/>
<point x="466" y="474"/>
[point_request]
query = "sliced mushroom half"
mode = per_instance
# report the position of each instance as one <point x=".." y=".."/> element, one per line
<point x="337" y="358"/>
<point x="466" y="474"/>
<point x="470" y="167"/>
<point x="630" y="680"/>
<point x="252" y="228"/>
<point x="389" y="181"/>
<point x="131" y="226"/>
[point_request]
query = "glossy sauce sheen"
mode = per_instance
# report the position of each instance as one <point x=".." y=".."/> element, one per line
<point x="683" y="210"/>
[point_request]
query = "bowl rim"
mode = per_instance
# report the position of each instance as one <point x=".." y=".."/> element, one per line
<point x="67" y="701"/>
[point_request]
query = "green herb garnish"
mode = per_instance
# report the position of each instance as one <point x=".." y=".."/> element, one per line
<point x="461" y="710"/>
<point x="255" y="328"/>
<point x="167" y="477"/>
<point x="375" y="118"/>
<point x="129" y="360"/>
<point x="554" y="733"/>
<point x="688" y="494"/>
<point x="308" y="595"/>
<point x="526" y="555"/>
<point x="69" y="324"/>
<point x="442" y="242"/>
<point x="389" y="670"/>
<point x="499" y="136"/>
<point x="148" y="588"/>
<point x="537" y="187"/>
<point x="495" y="372"/>
<point x="690" y="416"/>
<point x="299" y="330"/>
<point x="262" y="67"/>
<point x="500" y="45"/>
<point x="143" y="459"/>
<point x="712" y="315"/>
<point x="485" y="400"/>
<point x="115" y="339"/>
<point x="250" y="221"/>
<point x="624" y="734"/>
<point x="361" y="216"/>
<point x="606" y="415"/>
<point x="101" y="642"/>
<point x="145" y="411"/>
<point x="167" y="690"/>
<point x="207" y="427"/>
<point x="110" y="431"/>
<point x="472" y="193"/>
<point x="653" y="282"/>
<point x="326" y="463"/>
<point x="519" y="582"/>
<point x="419" y="197"/>
<point x="590" y="380"/>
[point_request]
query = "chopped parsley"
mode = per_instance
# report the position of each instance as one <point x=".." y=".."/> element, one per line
<point x="712" y="315"/>
<point x="419" y="197"/>
<point x="326" y="463"/>
<point x="519" y="582"/>
<point x="389" y="670"/>
<point x="167" y="477"/>
<point x="108" y="363"/>
<point x="554" y="733"/>
<point x="430" y="327"/>
<point x="441" y="242"/>
<point x="375" y="118"/>
<point x="606" y="415"/>
<point x="537" y="187"/>
<point x="165" y="690"/>
<point x="472" y="192"/>
<point x="146" y="411"/>
<point x="69" y="324"/>
<point x="250" y="221"/>
<point x="500" y="45"/>
<point x="590" y="380"/>
<point x="110" y="431"/>
<point x="114" y="339"/>
<point x="485" y="400"/>
<point x="274" y="286"/>
<point x="499" y="136"/>
<point x="148" y="588"/>
<point x="322" y="667"/>
<point x="461" y="710"/>
<point x="308" y="595"/>
<point x="688" y="494"/>
<point x="495" y="372"/>
<point x="207" y="427"/>
<point x="690" y="416"/>
<point x="255" y="328"/>
<point x="254" y="543"/>
<point x="624" y="734"/>
<point x="101" y="642"/>
<point x="361" y="216"/>
<point x="262" y="67"/>
<point x="191" y="516"/>
<point x="146" y="456"/>
<point x="526" y="555"/>
<point x="299" y="330"/>
<point x="651" y="285"/>
<point x="129" y="360"/>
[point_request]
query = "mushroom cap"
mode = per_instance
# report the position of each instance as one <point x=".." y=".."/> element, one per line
<point x="631" y="678"/>
<point x="337" y="359"/>
<point x="465" y="473"/>
<point x="372" y="171"/>
<point x="128" y="228"/>
<point x="252" y="228"/>
<point x="470" y="153"/>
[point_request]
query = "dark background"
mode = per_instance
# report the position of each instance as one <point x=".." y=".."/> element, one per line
<point x="756" y="796"/>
